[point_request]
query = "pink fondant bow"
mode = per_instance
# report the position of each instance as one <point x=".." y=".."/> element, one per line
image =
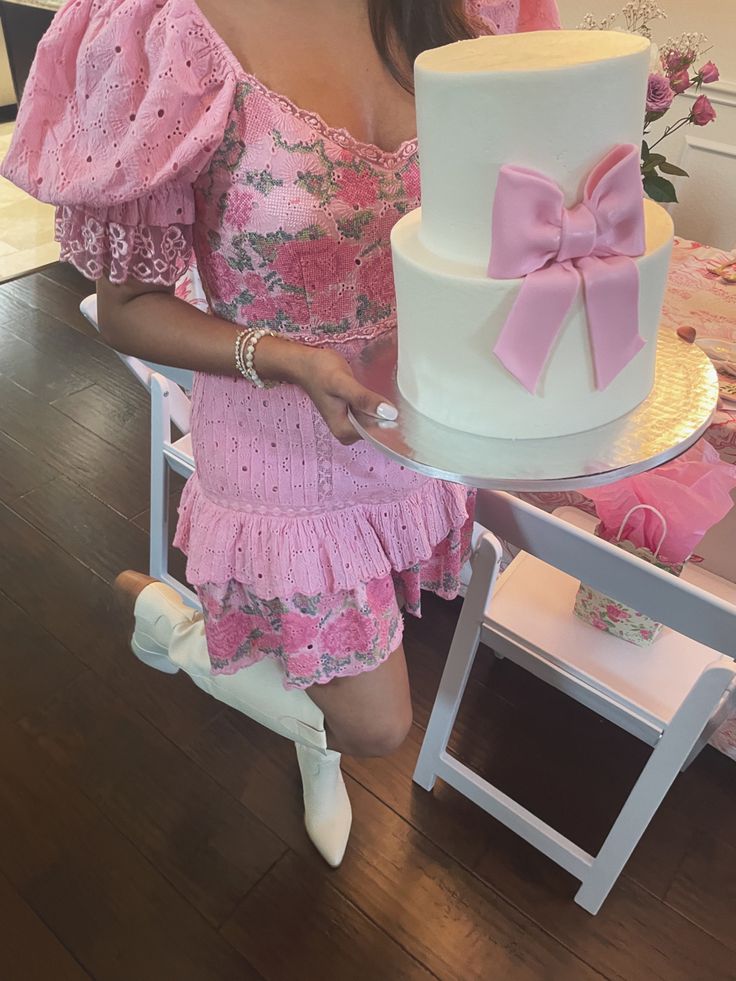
<point x="553" y="247"/>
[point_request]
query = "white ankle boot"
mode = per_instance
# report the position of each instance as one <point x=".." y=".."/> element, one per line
<point x="170" y="636"/>
<point x="328" y="816"/>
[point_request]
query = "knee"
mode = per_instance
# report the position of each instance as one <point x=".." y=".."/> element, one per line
<point x="383" y="740"/>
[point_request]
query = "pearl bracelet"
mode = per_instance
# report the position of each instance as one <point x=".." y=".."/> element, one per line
<point x="239" y="341"/>
<point x="245" y="349"/>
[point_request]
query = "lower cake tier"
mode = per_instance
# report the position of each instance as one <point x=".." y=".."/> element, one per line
<point x="450" y="316"/>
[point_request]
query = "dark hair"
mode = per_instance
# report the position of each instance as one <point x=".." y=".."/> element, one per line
<point x="402" y="29"/>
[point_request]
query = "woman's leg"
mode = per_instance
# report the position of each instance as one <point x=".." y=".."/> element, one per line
<point x="369" y="714"/>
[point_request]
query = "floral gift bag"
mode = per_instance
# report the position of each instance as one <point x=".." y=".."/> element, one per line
<point x="616" y="618"/>
<point x="694" y="492"/>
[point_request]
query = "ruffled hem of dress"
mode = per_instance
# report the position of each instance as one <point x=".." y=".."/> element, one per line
<point x="280" y="555"/>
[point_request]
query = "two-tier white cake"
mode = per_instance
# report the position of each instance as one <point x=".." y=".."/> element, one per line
<point x="537" y="109"/>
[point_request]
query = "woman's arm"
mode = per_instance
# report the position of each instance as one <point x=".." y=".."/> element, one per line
<point x="150" y="323"/>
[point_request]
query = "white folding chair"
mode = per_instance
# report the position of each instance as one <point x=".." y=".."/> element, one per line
<point x="170" y="405"/>
<point x="673" y="695"/>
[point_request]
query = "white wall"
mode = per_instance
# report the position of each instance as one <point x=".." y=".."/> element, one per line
<point x="707" y="208"/>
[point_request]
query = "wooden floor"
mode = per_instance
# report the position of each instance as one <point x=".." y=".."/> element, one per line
<point x="148" y="833"/>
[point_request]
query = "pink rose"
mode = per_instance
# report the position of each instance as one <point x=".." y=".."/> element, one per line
<point x="225" y="636"/>
<point x="380" y="594"/>
<point x="703" y="111"/>
<point x="240" y="208"/>
<point x="615" y="613"/>
<point x="376" y="279"/>
<point x="294" y="307"/>
<point x="659" y="93"/>
<point x="349" y="633"/>
<point x="709" y="73"/>
<point x="677" y="61"/>
<point x="303" y="665"/>
<point x="288" y="262"/>
<point x="598" y="623"/>
<point x="412" y="184"/>
<point x="261" y="308"/>
<point x="329" y="263"/>
<point x="226" y="282"/>
<point x="680" y="81"/>
<point x="357" y="189"/>
<point x="297" y="631"/>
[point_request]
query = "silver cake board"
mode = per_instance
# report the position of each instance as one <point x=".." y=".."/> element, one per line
<point x="674" y="416"/>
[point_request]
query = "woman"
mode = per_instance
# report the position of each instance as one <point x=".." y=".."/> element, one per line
<point x="158" y="126"/>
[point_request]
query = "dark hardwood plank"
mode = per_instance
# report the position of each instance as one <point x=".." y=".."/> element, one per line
<point x="99" y="537"/>
<point x="116" y="914"/>
<point x="327" y="937"/>
<point x="189" y="828"/>
<point x="20" y="470"/>
<point x="35" y="372"/>
<point x="64" y="274"/>
<point x="439" y="913"/>
<point x="113" y="415"/>
<point x="33" y="665"/>
<point x="29" y="949"/>
<point x="59" y="442"/>
<point x="74" y="605"/>
<point x="60" y="342"/>
<point x="42" y="293"/>
<point x="704" y="888"/>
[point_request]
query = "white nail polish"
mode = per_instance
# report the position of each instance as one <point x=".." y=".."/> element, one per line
<point x="388" y="412"/>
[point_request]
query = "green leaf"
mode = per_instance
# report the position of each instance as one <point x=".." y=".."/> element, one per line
<point x="644" y="149"/>
<point x="669" y="168"/>
<point x="659" y="189"/>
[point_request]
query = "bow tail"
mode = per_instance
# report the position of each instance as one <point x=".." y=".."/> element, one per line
<point x="612" y="299"/>
<point x="535" y="322"/>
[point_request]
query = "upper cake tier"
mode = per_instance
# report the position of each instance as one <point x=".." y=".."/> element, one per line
<point x="553" y="101"/>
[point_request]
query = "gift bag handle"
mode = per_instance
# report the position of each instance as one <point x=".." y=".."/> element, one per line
<point x="645" y="507"/>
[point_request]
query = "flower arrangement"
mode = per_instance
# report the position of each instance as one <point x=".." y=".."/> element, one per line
<point x="673" y="72"/>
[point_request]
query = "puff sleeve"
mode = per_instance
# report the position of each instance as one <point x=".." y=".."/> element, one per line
<point x="125" y="105"/>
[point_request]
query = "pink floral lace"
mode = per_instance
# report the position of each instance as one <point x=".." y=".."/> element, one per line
<point x="140" y="125"/>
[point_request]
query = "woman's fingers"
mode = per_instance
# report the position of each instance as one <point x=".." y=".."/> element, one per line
<point x="362" y="399"/>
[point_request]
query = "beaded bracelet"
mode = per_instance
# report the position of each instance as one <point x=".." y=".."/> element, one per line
<point x="239" y="341"/>
<point x="245" y="349"/>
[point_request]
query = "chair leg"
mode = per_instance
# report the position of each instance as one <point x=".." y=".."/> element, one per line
<point x="655" y="780"/>
<point x="459" y="660"/>
<point x="722" y="713"/>
<point x="159" y="518"/>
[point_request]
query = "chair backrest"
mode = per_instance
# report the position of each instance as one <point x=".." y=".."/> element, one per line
<point x="680" y="605"/>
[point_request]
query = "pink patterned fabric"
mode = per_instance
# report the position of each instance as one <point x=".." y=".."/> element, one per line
<point x="325" y="635"/>
<point x="553" y="247"/>
<point x="141" y="126"/>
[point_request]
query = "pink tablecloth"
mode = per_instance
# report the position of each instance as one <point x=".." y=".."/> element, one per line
<point x="695" y="298"/>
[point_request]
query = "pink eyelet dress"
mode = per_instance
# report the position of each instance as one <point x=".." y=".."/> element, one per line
<point x="153" y="142"/>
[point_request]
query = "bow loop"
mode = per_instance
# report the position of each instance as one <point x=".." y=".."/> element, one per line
<point x="553" y="248"/>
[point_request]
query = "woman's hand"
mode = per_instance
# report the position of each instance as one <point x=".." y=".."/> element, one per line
<point x="328" y="380"/>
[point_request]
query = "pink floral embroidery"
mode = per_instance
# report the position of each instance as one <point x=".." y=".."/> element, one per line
<point x="358" y="188"/>
<point x="348" y="634"/>
<point x="297" y="630"/>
